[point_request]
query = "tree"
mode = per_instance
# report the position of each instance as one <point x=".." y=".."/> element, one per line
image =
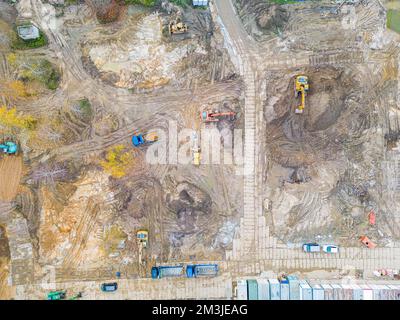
<point x="9" y="118"/>
<point x="117" y="161"/>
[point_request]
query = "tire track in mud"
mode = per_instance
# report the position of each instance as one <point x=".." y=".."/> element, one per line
<point x="146" y="122"/>
<point x="83" y="231"/>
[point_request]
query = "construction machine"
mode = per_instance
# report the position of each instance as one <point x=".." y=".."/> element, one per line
<point x="56" y="295"/>
<point x="177" y="27"/>
<point x="301" y="87"/>
<point x="367" y="242"/>
<point x="196" y="150"/>
<point x="140" y="139"/>
<point x="142" y="237"/>
<point x="77" y="296"/>
<point x="9" y="147"/>
<point x="213" y="116"/>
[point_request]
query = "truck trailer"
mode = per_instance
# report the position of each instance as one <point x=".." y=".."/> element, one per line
<point x="166" y="271"/>
<point x="197" y="270"/>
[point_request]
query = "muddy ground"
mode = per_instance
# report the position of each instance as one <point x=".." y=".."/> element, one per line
<point x="80" y="217"/>
<point x="328" y="168"/>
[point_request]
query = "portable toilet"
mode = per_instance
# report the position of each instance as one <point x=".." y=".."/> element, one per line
<point x="305" y="291"/>
<point x="317" y="292"/>
<point x="294" y="287"/>
<point x="328" y="291"/>
<point x="274" y="289"/>
<point x="367" y="292"/>
<point x="252" y="290"/>
<point x="241" y="290"/>
<point x="285" y="295"/>
<point x="263" y="289"/>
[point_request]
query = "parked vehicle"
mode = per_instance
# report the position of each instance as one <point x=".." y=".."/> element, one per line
<point x="109" y="287"/>
<point x="311" y="247"/>
<point x="56" y="295"/>
<point x="166" y="271"/>
<point x="196" y="270"/>
<point x="330" y="248"/>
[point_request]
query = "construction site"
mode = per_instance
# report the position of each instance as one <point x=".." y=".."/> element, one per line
<point x="145" y="143"/>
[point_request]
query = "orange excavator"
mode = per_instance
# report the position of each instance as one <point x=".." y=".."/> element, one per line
<point x="213" y="116"/>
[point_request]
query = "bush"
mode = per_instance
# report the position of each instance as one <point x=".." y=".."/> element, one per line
<point x="41" y="70"/>
<point x="146" y="3"/>
<point x="85" y="107"/>
<point x="182" y="3"/>
<point x="20" y="44"/>
<point x="110" y="13"/>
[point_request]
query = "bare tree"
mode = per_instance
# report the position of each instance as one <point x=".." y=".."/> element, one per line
<point x="49" y="174"/>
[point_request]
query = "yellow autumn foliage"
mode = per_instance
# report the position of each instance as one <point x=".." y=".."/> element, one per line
<point x="13" y="90"/>
<point x="9" y="118"/>
<point x="117" y="161"/>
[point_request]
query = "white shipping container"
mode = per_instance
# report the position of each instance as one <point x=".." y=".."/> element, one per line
<point x="285" y="292"/>
<point x="367" y="292"/>
<point x="274" y="289"/>
<point x="328" y="291"/>
<point x="242" y="290"/>
<point x="263" y="289"/>
<point x="305" y="291"/>
<point x="357" y="292"/>
<point x="318" y="292"/>
<point x="337" y="291"/>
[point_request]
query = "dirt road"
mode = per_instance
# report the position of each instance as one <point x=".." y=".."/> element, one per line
<point x="10" y="173"/>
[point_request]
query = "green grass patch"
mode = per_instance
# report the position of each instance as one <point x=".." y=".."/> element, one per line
<point x="393" y="20"/>
<point x="181" y="3"/>
<point x="20" y="44"/>
<point x="283" y="1"/>
<point x="85" y="107"/>
<point x="146" y="3"/>
<point x="40" y="70"/>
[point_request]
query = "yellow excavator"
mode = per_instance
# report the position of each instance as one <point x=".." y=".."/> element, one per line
<point x="301" y="87"/>
<point x="177" y="27"/>
<point x="142" y="237"/>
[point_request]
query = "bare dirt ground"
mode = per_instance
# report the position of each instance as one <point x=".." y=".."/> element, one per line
<point x="81" y="220"/>
<point x="324" y="171"/>
<point x="11" y="173"/>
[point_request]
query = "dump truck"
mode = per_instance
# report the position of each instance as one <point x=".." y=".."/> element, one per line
<point x="301" y="87"/>
<point x="140" y="139"/>
<point x="166" y="271"/>
<point x="197" y="270"/>
<point x="311" y="247"/>
<point x="9" y="147"/>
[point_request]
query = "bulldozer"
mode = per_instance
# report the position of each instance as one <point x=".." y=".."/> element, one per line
<point x="301" y="86"/>
<point x="177" y="27"/>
